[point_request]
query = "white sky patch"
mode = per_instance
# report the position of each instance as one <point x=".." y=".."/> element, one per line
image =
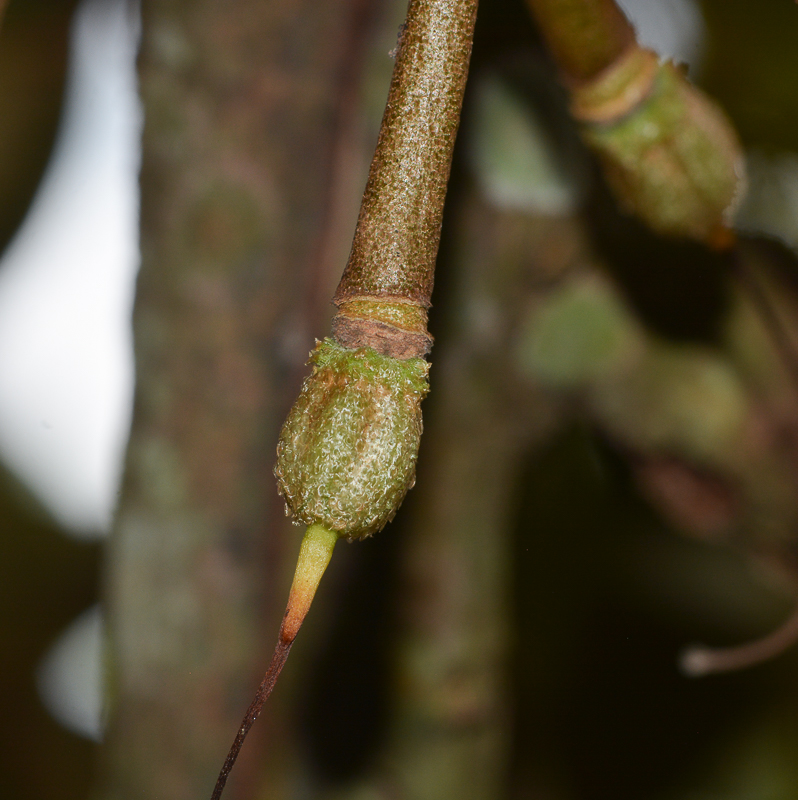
<point x="67" y="282"/>
<point x="673" y="28"/>
<point x="69" y="677"/>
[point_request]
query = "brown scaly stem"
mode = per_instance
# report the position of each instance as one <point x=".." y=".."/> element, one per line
<point x="385" y="291"/>
<point x="314" y="556"/>
<point x="585" y="36"/>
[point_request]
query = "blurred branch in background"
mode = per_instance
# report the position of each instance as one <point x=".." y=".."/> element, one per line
<point x="586" y="37"/>
<point x="669" y="153"/>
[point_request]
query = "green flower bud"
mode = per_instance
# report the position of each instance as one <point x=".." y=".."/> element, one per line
<point x="669" y="153"/>
<point x="347" y="452"/>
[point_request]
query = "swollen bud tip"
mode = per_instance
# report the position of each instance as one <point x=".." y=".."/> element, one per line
<point x="347" y="452"/>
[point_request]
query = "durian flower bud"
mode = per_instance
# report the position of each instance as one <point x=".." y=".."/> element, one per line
<point x="347" y="451"/>
<point x="669" y="153"/>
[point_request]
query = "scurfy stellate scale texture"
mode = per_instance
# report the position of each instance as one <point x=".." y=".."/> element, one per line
<point x="347" y="452"/>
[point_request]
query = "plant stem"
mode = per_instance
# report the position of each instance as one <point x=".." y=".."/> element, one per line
<point x="385" y="291"/>
<point x="586" y="36"/>
<point x="314" y="556"/>
<point x="699" y="660"/>
<point x="360" y="407"/>
<point x="757" y="290"/>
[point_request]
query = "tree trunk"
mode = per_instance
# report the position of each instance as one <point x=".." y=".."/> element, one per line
<point x="251" y="108"/>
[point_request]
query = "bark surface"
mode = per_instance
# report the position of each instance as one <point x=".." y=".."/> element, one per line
<point x="245" y="103"/>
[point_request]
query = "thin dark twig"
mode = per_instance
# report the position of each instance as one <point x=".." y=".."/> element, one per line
<point x="314" y="556"/>
<point x="781" y="339"/>
<point x="281" y="652"/>
<point x="698" y="661"/>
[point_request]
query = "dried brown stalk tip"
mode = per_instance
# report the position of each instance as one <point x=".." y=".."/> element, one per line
<point x="314" y="556"/>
